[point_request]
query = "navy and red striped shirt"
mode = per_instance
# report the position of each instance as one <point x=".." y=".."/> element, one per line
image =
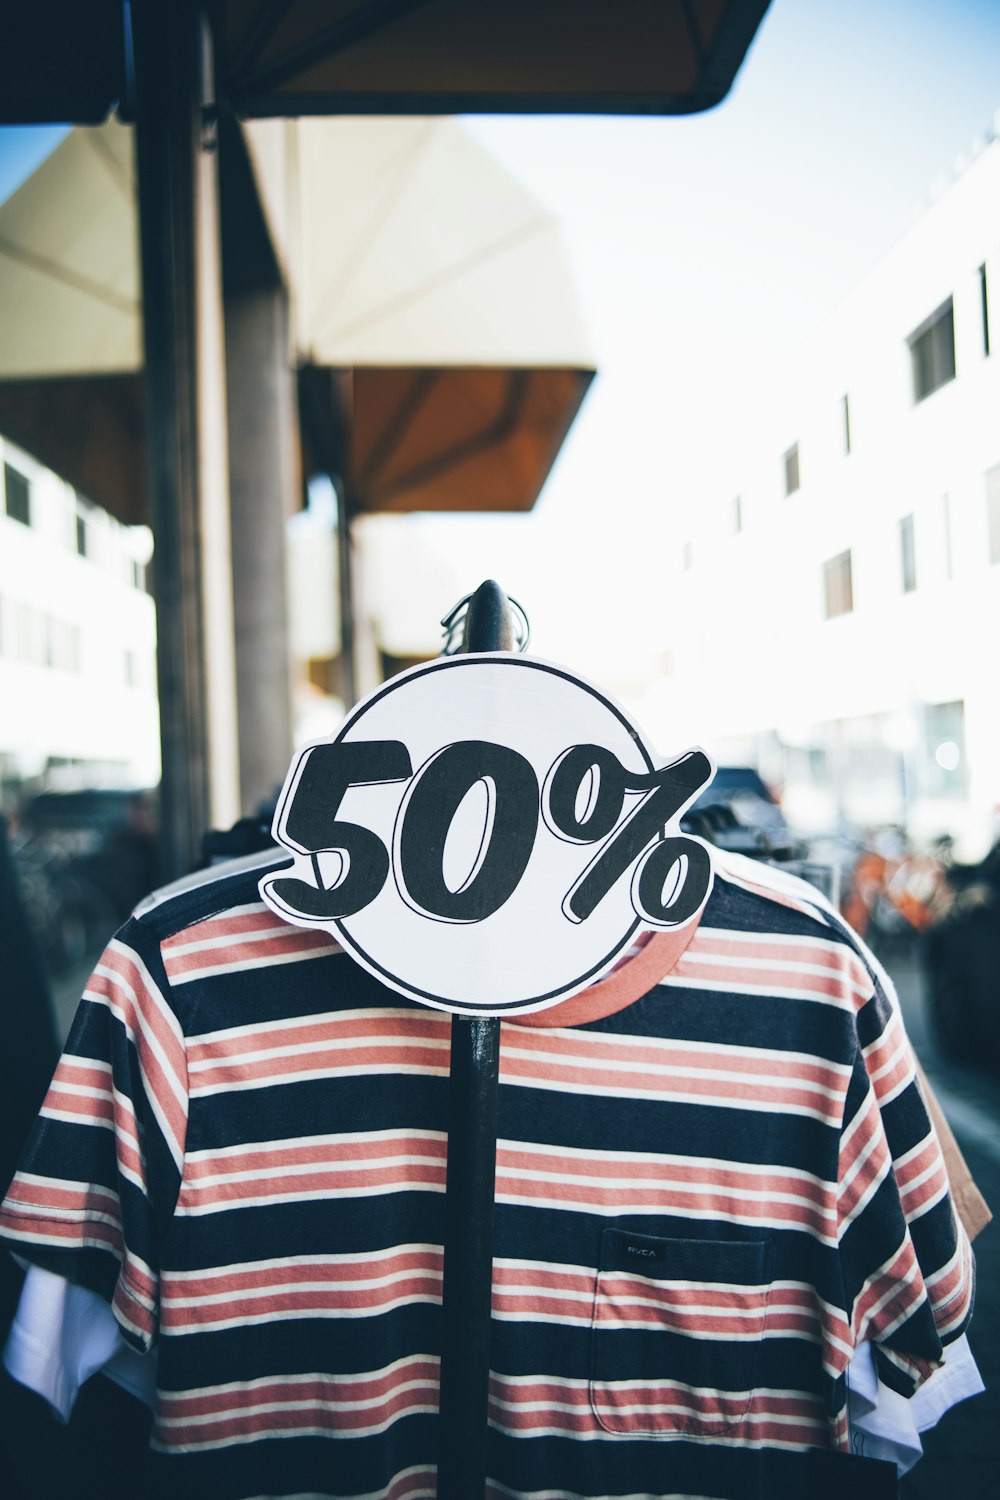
<point x="715" y="1177"/>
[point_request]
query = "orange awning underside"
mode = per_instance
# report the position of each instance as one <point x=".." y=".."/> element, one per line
<point x="446" y="440"/>
<point x="438" y="439"/>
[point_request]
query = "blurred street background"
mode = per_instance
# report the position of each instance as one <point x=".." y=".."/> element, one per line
<point x="961" y="1455"/>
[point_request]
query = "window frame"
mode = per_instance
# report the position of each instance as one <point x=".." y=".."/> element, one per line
<point x="10" y="471"/>
<point x="933" y="373"/>
<point x="792" y="468"/>
<point x="908" y="553"/>
<point x="992" y="484"/>
<point x="834" y="609"/>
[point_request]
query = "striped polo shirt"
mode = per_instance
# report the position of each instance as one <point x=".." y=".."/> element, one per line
<point x="715" y="1177"/>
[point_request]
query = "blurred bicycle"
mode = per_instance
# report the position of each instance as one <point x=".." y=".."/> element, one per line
<point x="894" y="894"/>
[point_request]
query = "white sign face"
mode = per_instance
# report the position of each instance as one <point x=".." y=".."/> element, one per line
<point x="485" y="834"/>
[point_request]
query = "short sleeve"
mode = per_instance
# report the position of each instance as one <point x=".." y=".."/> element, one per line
<point x="906" y="1260"/>
<point x="99" y="1177"/>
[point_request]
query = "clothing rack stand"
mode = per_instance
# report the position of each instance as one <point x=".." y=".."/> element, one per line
<point x="472" y="1149"/>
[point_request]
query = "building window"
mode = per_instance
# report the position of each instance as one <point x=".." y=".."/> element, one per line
<point x="31" y="644"/>
<point x="81" y="535"/>
<point x="792" y="469"/>
<point x="62" y="645"/>
<point x="907" y="554"/>
<point x="736" y="514"/>
<point x="138" y="575"/>
<point x="845" y="402"/>
<point x="932" y="352"/>
<point x="18" y="495"/>
<point x="70" y="657"/>
<point x="984" y="301"/>
<point x="687" y="556"/>
<point x="838" y="586"/>
<point x="993" y="511"/>
<point x="940" y="764"/>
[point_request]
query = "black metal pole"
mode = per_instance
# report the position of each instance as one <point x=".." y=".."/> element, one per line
<point x="168" y="139"/>
<point x="468" y="1257"/>
<point x="345" y="576"/>
<point x="472" y="1150"/>
<point x="338" y="416"/>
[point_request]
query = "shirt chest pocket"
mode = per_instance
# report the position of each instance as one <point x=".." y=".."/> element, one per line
<point x="676" y="1334"/>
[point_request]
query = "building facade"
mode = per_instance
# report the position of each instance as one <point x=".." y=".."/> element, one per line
<point x="846" y="589"/>
<point x="77" y="640"/>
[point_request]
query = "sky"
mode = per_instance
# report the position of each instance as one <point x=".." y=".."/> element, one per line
<point x="706" y="249"/>
<point x="22" y="149"/>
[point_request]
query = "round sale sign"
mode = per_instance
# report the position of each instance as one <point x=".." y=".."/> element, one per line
<point x="486" y="834"/>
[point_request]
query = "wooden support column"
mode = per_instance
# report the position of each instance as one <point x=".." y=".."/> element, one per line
<point x="185" y="405"/>
<point x="326" y="412"/>
<point x="264" y="481"/>
<point x="263" y="488"/>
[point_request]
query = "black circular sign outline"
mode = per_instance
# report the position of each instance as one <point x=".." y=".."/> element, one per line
<point x="411" y="991"/>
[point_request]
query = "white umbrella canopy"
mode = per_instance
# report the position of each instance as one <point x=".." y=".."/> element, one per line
<point x="69" y="262"/>
<point x="434" y="311"/>
<point x="442" y="348"/>
<point x="71" y="318"/>
<point x="406" y="243"/>
<point x="402" y="240"/>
